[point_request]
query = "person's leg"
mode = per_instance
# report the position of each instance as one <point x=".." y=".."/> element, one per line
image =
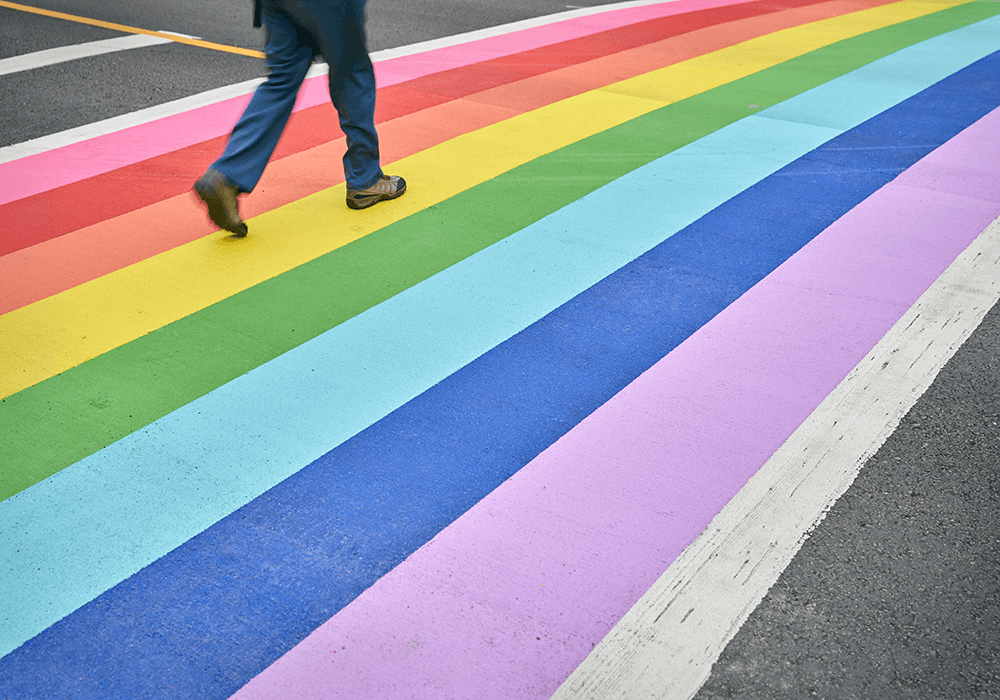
<point x="338" y="28"/>
<point x="289" y="54"/>
<point x="352" y="91"/>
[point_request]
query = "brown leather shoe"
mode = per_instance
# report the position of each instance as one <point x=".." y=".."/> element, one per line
<point x="219" y="194"/>
<point x="386" y="187"/>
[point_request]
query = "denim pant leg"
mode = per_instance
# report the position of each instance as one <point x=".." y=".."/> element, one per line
<point x="338" y="27"/>
<point x="289" y="55"/>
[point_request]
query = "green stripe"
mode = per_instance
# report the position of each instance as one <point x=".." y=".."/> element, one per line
<point x="78" y="412"/>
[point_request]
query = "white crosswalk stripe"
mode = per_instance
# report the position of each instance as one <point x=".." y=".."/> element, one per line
<point x="48" y="57"/>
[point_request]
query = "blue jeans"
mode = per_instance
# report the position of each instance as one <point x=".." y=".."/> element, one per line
<point x="299" y="30"/>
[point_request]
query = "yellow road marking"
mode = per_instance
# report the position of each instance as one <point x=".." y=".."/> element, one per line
<point x="133" y="30"/>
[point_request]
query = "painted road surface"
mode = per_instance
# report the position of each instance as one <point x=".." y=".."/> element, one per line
<point x="554" y="422"/>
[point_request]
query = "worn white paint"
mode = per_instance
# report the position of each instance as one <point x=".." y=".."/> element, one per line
<point x="62" y="54"/>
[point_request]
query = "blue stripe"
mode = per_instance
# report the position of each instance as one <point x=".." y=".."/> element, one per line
<point x="264" y="577"/>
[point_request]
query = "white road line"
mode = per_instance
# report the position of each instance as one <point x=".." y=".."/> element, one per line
<point x="48" y="57"/>
<point x="186" y="36"/>
<point x="168" y="109"/>
<point x="664" y="647"/>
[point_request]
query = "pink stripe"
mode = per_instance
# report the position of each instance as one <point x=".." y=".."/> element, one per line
<point x="62" y="166"/>
<point x="507" y="601"/>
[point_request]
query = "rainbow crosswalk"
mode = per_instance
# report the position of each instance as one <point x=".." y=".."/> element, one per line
<point x="440" y="447"/>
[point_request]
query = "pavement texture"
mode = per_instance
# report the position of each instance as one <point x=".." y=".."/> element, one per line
<point x="637" y="392"/>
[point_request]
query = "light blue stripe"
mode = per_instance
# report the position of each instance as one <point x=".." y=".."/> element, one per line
<point x="71" y="537"/>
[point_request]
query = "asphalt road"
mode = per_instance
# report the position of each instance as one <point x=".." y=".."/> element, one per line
<point x="895" y="595"/>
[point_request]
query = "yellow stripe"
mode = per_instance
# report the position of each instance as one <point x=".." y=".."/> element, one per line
<point x="132" y="30"/>
<point x="57" y="333"/>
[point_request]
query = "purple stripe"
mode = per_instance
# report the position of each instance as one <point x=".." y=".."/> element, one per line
<point x="510" y="598"/>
